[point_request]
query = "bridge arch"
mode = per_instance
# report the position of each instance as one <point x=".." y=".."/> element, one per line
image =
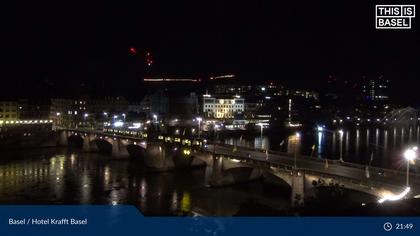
<point x="75" y="140"/>
<point x="135" y="150"/>
<point x="104" y="145"/>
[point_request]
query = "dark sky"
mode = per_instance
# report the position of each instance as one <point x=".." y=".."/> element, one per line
<point x="64" y="44"/>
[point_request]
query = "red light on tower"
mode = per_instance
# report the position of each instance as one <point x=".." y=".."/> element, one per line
<point x="132" y="50"/>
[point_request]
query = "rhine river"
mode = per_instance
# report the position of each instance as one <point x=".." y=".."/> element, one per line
<point x="69" y="176"/>
<point x="381" y="147"/>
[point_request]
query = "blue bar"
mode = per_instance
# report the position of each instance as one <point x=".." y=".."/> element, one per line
<point x="127" y="220"/>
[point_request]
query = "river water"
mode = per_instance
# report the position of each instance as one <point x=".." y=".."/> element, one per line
<point x="382" y="147"/>
<point x="62" y="176"/>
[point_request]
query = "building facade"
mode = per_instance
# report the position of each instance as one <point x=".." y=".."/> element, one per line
<point x="222" y="108"/>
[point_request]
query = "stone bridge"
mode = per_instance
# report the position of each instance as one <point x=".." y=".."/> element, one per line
<point x="159" y="154"/>
<point x="224" y="169"/>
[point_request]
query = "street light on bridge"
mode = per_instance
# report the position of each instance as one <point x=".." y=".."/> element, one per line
<point x="410" y="154"/>
<point x="199" y="119"/>
<point x="262" y="127"/>
<point x="297" y="136"/>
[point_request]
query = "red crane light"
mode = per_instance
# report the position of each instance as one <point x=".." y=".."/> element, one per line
<point x="132" y="50"/>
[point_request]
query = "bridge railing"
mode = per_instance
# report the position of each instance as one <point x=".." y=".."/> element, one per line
<point x="102" y="133"/>
<point x="277" y="153"/>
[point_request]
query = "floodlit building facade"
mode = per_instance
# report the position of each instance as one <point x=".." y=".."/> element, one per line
<point x="222" y="108"/>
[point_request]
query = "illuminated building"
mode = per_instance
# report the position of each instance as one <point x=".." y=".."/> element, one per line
<point x="376" y="89"/>
<point x="82" y="112"/>
<point x="65" y="111"/>
<point x="8" y="110"/>
<point x="222" y="108"/>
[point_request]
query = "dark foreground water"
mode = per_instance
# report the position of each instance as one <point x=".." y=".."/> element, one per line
<point x="61" y="176"/>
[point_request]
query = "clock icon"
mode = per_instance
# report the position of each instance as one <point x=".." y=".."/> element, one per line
<point x="387" y="226"/>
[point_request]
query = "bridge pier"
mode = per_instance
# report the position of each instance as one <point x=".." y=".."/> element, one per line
<point x="157" y="157"/>
<point x="89" y="144"/>
<point x="119" y="148"/>
<point x="225" y="171"/>
<point x="63" y="138"/>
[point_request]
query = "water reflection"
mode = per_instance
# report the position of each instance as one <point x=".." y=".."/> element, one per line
<point x="395" y="137"/>
<point x="82" y="178"/>
<point x="320" y="139"/>
<point x="352" y="144"/>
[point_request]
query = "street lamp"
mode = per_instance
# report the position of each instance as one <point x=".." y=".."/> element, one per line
<point x="297" y="135"/>
<point x="216" y="127"/>
<point x="199" y="119"/>
<point x="156" y="121"/>
<point x="262" y="127"/>
<point x="341" y="132"/>
<point x="409" y="155"/>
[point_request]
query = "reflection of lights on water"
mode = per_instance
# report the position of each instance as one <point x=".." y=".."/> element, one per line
<point x="143" y="188"/>
<point x="186" y="202"/>
<point x="85" y="187"/>
<point x="410" y="134"/>
<point x="320" y="135"/>
<point x="367" y="137"/>
<point x="114" y="203"/>
<point x="357" y="140"/>
<point x="107" y="175"/>
<point x="394" y="197"/>
<point x="174" y="201"/>
<point x="72" y="159"/>
<point x="402" y="135"/>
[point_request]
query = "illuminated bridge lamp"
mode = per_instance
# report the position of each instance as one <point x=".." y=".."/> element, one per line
<point x="320" y="128"/>
<point x="409" y="155"/>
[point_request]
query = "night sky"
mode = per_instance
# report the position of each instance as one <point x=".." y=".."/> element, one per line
<point x="63" y="46"/>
